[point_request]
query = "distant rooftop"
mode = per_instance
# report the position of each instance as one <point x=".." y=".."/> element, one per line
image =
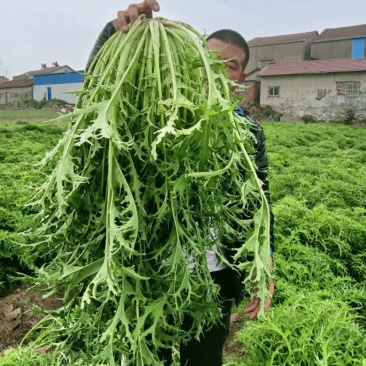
<point x="16" y="83"/>
<point x="354" y="31"/>
<point x="286" y="38"/>
<point x="43" y="70"/>
<point x="315" y="67"/>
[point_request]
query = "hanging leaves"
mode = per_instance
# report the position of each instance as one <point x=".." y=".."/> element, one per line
<point x="154" y="158"/>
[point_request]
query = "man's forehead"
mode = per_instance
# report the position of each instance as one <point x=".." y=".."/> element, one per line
<point x="227" y="50"/>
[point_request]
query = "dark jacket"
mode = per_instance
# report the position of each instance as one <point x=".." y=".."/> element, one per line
<point x="103" y="37"/>
<point x="261" y="162"/>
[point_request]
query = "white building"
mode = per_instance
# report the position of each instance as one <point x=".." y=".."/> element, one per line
<point x="323" y="89"/>
<point x="58" y="86"/>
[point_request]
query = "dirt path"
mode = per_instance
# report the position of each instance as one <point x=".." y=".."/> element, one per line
<point x="17" y="318"/>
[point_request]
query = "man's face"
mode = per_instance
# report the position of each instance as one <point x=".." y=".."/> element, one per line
<point x="234" y="58"/>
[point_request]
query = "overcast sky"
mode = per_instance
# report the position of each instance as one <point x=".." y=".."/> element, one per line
<point x="33" y="32"/>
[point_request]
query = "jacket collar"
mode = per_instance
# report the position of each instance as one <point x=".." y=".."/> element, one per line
<point x="239" y="111"/>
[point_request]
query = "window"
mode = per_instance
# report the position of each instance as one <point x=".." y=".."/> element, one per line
<point x="348" y="88"/>
<point x="240" y="88"/>
<point x="264" y="63"/>
<point x="358" y="48"/>
<point x="273" y="91"/>
<point x="353" y="89"/>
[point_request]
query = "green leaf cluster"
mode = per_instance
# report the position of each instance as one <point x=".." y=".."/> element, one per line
<point x="154" y="158"/>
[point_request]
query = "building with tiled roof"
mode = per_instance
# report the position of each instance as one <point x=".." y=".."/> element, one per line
<point x="60" y="82"/>
<point x="343" y="42"/>
<point x="15" y="89"/>
<point x="273" y="49"/>
<point x="44" y="70"/>
<point x="353" y="31"/>
<point x="15" y="83"/>
<point x="60" y="85"/>
<point x="286" y="38"/>
<point x="315" y="67"/>
<point x="323" y="89"/>
<point x="282" y="48"/>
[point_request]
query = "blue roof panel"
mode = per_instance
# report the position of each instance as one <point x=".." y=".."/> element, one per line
<point x="62" y="78"/>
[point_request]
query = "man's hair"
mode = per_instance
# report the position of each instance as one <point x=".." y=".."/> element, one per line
<point x="230" y="36"/>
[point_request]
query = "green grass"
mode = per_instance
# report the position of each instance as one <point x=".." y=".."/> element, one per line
<point x="27" y="115"/>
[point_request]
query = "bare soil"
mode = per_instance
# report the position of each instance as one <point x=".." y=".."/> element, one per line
<point x="18" y="317"/>
<point x="17" y="314"/>
<point x="233" y="348"/>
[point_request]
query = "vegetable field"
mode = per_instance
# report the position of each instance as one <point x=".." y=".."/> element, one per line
<point x="27" y="115"/>
<point x="318" y="191"/>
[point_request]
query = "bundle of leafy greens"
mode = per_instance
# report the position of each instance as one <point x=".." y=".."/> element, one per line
<point x="154" y="158"/>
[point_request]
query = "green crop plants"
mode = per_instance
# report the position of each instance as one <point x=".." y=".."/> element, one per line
<point x="307" y="329"/>
<point x="28" y="357"/>
<point x="318" y="188"/>
<point x="317" y="185"/>
<point x="26" y="115"/>
<point x="301" y="265"/>
<point x="21" y="146"/>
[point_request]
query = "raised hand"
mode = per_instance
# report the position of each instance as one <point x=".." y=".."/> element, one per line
<point x="125" y="17"/>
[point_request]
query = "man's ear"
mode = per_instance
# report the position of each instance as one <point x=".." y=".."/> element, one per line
<point x="242" y="78"/>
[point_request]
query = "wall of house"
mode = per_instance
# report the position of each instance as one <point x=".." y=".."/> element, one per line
<point x="58" y="91"/>
<point x="321" y="96"/>
<point x="283" y="52"/>
<point x="9" y="95"/>
<point x="57" y="86"/>
<point x="332" y="49"/>
<point x="250" y="92"/>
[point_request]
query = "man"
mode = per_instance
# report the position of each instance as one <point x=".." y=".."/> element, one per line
<point x="208" y="351"/>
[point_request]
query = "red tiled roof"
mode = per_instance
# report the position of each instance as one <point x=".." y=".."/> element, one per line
<point x="342" y="33"/>
<point x="315" y="67"/>
<point x="16" y="83"/>
<point x="286" y="38"/>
